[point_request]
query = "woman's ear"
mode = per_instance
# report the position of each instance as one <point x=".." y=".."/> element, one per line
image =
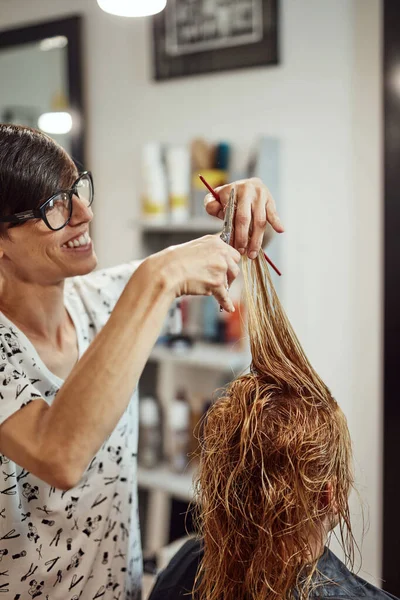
<point x="5" y="239"/>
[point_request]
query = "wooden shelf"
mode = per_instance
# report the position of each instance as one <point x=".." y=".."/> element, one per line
<point x="205" y="356"/>
<point x="195" y="224"/>
<point x="164" y="480"/>
<point x="201" y="370"/>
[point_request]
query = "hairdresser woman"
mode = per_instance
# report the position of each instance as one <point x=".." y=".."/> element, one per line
<point x="73" y="345"/>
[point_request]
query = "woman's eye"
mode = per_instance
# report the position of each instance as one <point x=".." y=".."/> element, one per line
<point x="58" y="203"/>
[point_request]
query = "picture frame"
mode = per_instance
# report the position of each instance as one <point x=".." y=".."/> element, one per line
<point x="192" y="37"/>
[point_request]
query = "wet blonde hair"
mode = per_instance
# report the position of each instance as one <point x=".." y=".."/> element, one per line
<point x="272" y="447"/>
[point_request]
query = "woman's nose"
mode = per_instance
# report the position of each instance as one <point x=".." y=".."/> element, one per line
<point x="81" y="212"/>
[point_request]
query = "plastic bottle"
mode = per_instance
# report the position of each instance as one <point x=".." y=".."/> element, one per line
<point x="149" y="453"/>
<point x="222" y="156"/>
<point x="155" y="189"/>
<point x="210" y="318"/>
<point x="178" y="169"/>
<point x="234" y="332"/>
<point x="179" y="427"/>
<point x="195" y="430"/>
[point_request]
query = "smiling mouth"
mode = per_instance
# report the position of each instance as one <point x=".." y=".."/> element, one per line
<point x="82" y="241"/>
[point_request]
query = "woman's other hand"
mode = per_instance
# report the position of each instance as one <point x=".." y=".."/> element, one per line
<point x="255" y="210"/>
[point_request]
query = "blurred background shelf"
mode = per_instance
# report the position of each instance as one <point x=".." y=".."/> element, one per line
<point x="199" y="373"/>
<point x="163" y="479"/>
<point x="194" y="225"/>
<point x="204" y="356"/>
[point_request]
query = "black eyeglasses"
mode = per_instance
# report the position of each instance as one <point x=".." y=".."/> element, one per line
<point x="56" y="212"/>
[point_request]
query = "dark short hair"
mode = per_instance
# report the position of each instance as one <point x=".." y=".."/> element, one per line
<point x="32" y="167"/>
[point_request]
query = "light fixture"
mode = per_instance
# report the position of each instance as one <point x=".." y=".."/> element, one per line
<point x="132" y="8"/>
<point x="59" y="120"/>
<point x="55" y="122"/>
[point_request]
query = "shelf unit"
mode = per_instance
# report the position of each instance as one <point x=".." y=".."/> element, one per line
<point x="195" y="225"/>
<point x="204" y="356"/>
<point x="179" y="485"/>
<point x="200" y="369"/>
<point x="159" y="234"/>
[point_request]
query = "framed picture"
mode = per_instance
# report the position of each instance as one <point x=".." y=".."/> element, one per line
<point x="202" y="36"/>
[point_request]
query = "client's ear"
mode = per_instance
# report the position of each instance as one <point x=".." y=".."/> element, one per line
<point x="329" y="503"/>
<point x="328" y="499"/>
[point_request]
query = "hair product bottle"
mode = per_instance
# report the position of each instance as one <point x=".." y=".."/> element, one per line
<point x="149" y="453"/>
<point x="155" y="190"/>
<point x="179" y="428"/>
<point x="178" y="170"/>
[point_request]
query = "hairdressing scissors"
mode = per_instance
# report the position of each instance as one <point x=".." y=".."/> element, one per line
<point x="227" y="230"/>
<point x="228" y="221"/>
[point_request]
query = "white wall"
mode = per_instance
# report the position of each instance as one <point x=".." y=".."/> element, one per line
<point x="366" y="251"/>
<point x="323" y="102"/>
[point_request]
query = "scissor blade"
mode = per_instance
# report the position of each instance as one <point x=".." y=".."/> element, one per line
<point x="229" y="214"/>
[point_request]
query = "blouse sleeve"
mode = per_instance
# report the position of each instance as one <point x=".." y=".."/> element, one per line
<point x="16" y="388"/>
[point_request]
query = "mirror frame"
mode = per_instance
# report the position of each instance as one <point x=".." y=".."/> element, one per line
<point x="391" y="282"/>
<point x="71" y="28"/>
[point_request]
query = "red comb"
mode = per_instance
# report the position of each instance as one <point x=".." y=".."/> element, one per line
<point x="216" y="196"/>
<point x="208" y="186"/>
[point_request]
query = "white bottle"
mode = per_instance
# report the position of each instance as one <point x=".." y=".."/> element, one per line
<point x="155" y="188"/>
<point x="179" y="428"/>
<point x="149" y="452"/>
<point x="177" y="159"/>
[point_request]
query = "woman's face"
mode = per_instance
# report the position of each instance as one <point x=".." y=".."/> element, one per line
<point x="34" y="253"/>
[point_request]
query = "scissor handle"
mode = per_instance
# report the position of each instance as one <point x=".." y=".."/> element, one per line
<point x="225" y="237"/>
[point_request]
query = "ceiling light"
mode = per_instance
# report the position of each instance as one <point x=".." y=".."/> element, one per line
<point x="55" y="122"/>
<point x="132" y="8"/>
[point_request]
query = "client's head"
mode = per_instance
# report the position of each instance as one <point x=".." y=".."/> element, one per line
<point x="275" y="470"/>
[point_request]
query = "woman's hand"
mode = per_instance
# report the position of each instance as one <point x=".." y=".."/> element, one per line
<point x="255" y="208"/>
<point x="204" y="266"/>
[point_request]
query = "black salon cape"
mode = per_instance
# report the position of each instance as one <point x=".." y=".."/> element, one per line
<point x="178" y="578"/>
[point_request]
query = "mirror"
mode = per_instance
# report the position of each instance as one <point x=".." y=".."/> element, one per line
<point x="41" y="65"/>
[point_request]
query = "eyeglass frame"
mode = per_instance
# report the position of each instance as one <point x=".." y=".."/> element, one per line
<point x="40" y="213"/>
